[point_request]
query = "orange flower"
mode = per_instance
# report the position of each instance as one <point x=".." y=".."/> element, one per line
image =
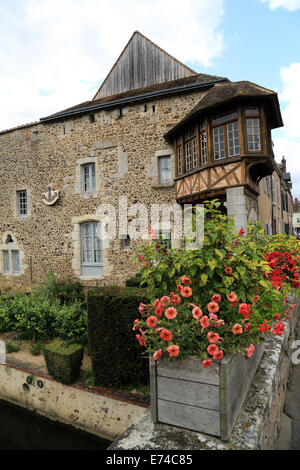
<point x="237" y="329"/>
<point x="157" y="354"/>
<point x="213" y="307"/>
<point x="171" y="313"/>
<point x="207" y="363"/>
<point x="186" y="291"/>
<point x="166" y="335"/>
<point x="232" y="297"/>
<point x="197" y="313"/>
<point x="204" y="322"/>
<point x="173" y="350"/>
<point x="186" y="280"/>
<point x="151" y="321"/>
<point x="213" y="337"/>
<point x="216" y="298"/>
<point x="212" y="349"/>
<point x="218" y="355"/>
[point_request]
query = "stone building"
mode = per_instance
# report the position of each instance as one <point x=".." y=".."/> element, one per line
<point x="296" y="217"/>
<point x="155" y="132"/>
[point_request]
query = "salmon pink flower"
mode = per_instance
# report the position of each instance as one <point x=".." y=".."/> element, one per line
<point x="136" y="323"/>
<point x="213" y="307"/>
<point x="171" y="313"/>
<point x="157" y="354"/>
<point x="159" y="310"/>
<point x="213" y="337"/>
<point x="179" y="288"/>
<point x="237" y="329"/>
<point x="165" y="300"/>
<point x="232" y="297"/>
<point x="141" y="339"/>
<point x="197" y="312"/>
<point x="244" y="310"/>
<point x="166" y="335"/>
<point x="255" y="299"/>
<point x="151" y="321"/>
<point x="173" y="350"/>
<point x="218" y="355"/>
<point x="175" y="299"/>
<point x="212" y="349"/>
<point x="186" y="280"/>
<point x="216" y="298"/>
<point x="186" y="291"/>
<point x="141" y="309"/>
<point x="207" y="363"/>
<point x="213" y="316"/>
<point x="250" y="350"/>
<point x="204" y="322"/>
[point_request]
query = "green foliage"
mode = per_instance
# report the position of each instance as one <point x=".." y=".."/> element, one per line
<point x="134" y="281"/>
<point x="114" y="352"/>
<point x="35" y="348"/>
<point x="71" y="323"/>
<point x="12" y="347"/>
<point x="63" y="360"/>
<point x="66" y="291"/>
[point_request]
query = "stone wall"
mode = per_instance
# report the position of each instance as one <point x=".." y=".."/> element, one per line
<point x="125" y="150"/>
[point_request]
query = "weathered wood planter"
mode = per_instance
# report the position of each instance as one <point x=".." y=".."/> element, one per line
<point x="185" y="394"/>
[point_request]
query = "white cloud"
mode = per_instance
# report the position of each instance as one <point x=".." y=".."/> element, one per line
<point x="290" y="5"/>
<point x="54" y="53"/>
<point x="287" y="141"/>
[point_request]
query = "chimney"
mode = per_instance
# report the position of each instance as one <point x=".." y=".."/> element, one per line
<point x="283" y="164"/>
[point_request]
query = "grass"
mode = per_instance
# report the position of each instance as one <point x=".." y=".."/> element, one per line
<point x="12" y="347"/>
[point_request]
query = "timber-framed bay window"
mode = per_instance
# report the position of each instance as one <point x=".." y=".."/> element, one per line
<point x="238" y="132"/>
<point x="91" y="249"/>
<point x="226" y="139"/>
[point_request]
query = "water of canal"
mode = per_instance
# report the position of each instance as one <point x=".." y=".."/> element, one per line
<point x="23" y="430"/>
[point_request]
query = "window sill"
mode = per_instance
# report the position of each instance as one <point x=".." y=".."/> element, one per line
<point x="91" y="278"/>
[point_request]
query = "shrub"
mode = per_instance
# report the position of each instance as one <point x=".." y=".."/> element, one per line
<point x="134" y="281"/>
<point x="114" y="352"/>
<point x="35" y="348"/>
<point x="63" y="360"/>
<point x="66" y="291"/>
<point x="12" y="347"/>
<point x="71" y="323"/>
<point x="7" y="311"/>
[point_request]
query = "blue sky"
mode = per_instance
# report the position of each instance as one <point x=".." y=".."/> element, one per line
<point x="54" y="53"/>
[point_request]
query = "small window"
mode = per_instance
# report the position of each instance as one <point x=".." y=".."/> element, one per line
<point x="126" y="242"/>
<point x="16" y="261"/>
<point x="164" y="170"/>
<point x="11" y="261"/>
<point x="6" y="262"/>
<point x="253" y="133"/>
<point x="22" y="203"/>
<point x="89" y="177"/>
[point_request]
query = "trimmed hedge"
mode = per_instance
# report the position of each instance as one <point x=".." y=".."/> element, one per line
<point x="63" y="360"/>
<point x="115" y="352"/>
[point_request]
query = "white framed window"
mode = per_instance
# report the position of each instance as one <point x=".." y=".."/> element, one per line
<point x="164" y="169"/>
<point x="22" y="203"/>
<point x="91" y="249"/>
<point x="88" y="177"/>
<point x="253" y="133"/>
<point x="226" y="139"/>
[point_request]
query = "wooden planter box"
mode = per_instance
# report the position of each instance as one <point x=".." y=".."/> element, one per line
<point x="185" y="394"/>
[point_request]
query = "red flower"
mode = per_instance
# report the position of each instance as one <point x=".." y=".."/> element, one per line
<point x="166" y="335"/>
<point x="171" y="313"/>
<point x="242" y="232"/>
<point x="197" y="313"/>
<point x="213" y="307"/>
<point x="179" y="288"/>
<point x="244" y="310"/>
<point x="186" y="292"/>
<point x="237" y="329"/>
<point x="250" y="350"/>
<point x="247" y="327"/>
<point x="165" y="300"/>
<point x="204" y="322"/>
<point x="141" y="339"/>
<point x="151" y="321"/>
<point x="218" y="355"/>
<point x="207" y="363"/>
<point x="173" y="350"/>
<point x="216" y="298"/>
<point x="136" y="324"/>
<point x="175" y="299"/>
<point x="141" y="309"/>
<point x="186" y="280"/>
<point x="212" y="349"/>
<point x="157" y="354"/>
<point x="278" y="328"/>
<point x="228" y="270"/>
<point x="213" y="337"/>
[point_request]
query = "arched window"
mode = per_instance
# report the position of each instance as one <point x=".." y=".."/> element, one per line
<point x="91" y="249"/>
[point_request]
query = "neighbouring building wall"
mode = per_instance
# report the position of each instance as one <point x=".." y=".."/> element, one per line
<point x="125" y="150"/>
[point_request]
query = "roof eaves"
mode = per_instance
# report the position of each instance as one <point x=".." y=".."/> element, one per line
<point x="130" y="99"/>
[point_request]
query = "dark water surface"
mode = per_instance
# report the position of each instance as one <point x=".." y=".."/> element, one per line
<point x="23" y="430"/>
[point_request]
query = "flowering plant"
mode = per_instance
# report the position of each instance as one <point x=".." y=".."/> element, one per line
<point x="175" y="326"/>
